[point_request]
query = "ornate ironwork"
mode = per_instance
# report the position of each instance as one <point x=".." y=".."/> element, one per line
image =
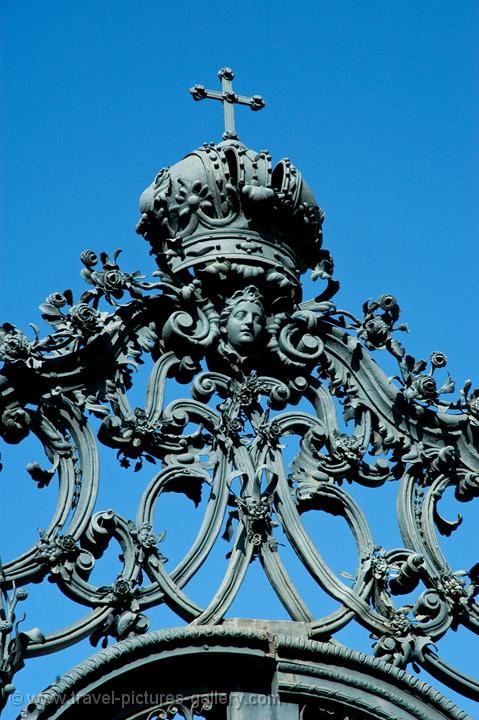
<point x="223" y="315"/>
<point x="285" y="676"/>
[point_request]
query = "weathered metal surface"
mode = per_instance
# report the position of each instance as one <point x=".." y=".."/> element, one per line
<point x="238" y="672"/>
<point x="224" y="316"/>
<point x="229" y="98"/>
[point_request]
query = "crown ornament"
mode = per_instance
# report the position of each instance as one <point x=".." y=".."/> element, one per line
<point x="224" y="210"/>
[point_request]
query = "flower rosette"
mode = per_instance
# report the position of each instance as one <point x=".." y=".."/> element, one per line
<point x="146" y="541"/>
<point x="122" y="594"/>
<point x="421" y="385"/>
<point x="347" y="447"/>
<point x="109" y="281"/>
<point x="438" y="359"/>
<point x="51" y="309"/>
<point x="424" y="387"/>
<point x="57" y="299"/>
<point x="379" y="322"/>
<point x="78" y="324"/>
<point x="388" y="303"/>
<point x="375" y="333"/>
<point x="122" y="590"/>
<point x="193" y="200"/>
<point x="88" y="258"/>
<point x="84" y="318"/>
<point x="270" y="432"/>
<point x="146" y="538"/>
<point x="59" y="555"/>
<point x="124" y="620"/>
<point x="453" y="589"/>
<point x="114" y="282"/>
<point x="67" y="544"/>
<point x="15" y="347"/>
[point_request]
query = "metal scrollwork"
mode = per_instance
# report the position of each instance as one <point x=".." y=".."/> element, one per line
<point x="223" y="315"/>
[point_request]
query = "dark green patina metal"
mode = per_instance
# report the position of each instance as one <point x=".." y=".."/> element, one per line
<point x="229" y="98"/>
<point x="224" y="313"/>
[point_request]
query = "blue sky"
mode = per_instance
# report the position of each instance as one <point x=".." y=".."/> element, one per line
<point x="376" y="102"/>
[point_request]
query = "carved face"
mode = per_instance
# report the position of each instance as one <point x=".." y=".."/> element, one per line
<point x="245" y="325"/>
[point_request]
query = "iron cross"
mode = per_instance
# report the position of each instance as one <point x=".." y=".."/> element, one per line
<point x="228" y="97"/>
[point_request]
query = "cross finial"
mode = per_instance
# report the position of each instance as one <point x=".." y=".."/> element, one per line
<point x="228" y="97"/>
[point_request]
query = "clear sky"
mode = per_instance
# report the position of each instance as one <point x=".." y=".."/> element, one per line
<point x="376" y="102"/>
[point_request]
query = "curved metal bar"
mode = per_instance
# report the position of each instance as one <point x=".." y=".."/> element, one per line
<point x="211" y="524"/>
<point x="283" y="585"/>
<point x="155" y="392"/>
<point x="316" y="566"/>
<point x="26" y="567"/>
<point x="411" y="534"/>
<point x="90" y="476"/>
<point x="69" y="635"/>
<point x="171" y="594"/>
<point x="405" y="505"/>
<point x="241" y="556"/>
<point x="429" y="504"/>
<point x="450" y="676"/>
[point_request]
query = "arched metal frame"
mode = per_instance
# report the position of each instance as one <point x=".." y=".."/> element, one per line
<point x="237" y="672"/>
